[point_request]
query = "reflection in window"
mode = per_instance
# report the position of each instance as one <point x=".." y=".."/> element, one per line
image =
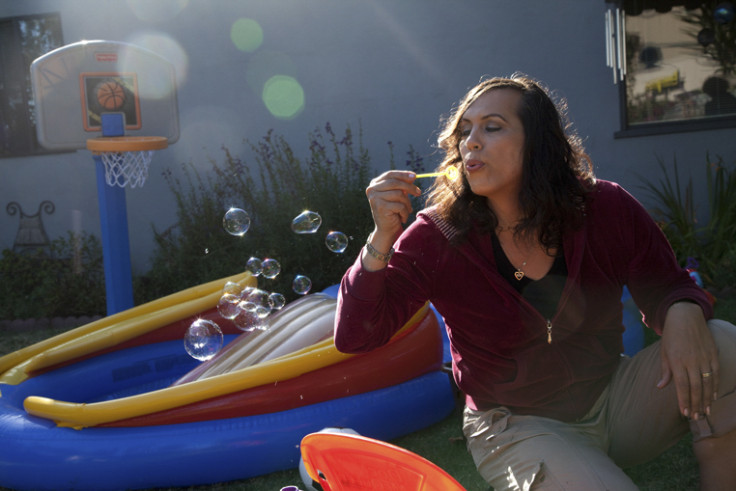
<point x="22" y="40"/>
<point x="681" y="64"/>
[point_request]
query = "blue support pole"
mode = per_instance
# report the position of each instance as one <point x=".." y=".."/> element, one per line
<point x="114" y="229"/>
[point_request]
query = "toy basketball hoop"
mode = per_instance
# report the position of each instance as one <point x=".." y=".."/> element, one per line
<point x="126" y="158"/>
<point x="122" y="93"/>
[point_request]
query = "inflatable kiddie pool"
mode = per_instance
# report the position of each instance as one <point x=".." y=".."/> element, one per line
<point x="118" y="403"/>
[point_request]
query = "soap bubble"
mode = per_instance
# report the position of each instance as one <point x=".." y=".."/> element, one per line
<point x="277" y="301"/>
<point x="257" y="303"/>
<point x="249" y="321"/>
<point x="232" y="288"/>
<point x="203" y="339"/>
<point x="246" y="291"/>
<point x="306" y="223"/>
<point x="236" y="221"/>
<point x="271" y="268"/>
<point x="337" y="242"/>
<point x="227" y="306"/>
<point x="254" y="298"/>
<point x="301" y="285"/>
<point x="255" y="266"/>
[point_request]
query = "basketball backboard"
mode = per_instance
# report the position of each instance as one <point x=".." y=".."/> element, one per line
<point x="75" y="84"/>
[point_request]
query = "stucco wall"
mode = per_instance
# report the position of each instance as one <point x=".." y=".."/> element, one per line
<point x="390" y="66"/>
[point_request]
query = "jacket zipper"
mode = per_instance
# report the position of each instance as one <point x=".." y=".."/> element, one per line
<point x="548" y="322"/>
<point x="560" y="306"/>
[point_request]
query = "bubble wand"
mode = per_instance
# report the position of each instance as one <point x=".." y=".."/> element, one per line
<point x="451" y="173"/>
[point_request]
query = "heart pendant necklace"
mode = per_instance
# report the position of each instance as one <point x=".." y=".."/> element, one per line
<point x="519" y="273"/>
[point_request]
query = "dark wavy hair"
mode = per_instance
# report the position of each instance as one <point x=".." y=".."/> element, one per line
<point x="557" y="174"/>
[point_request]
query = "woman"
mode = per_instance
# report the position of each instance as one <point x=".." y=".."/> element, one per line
<point x="525" y="256"/>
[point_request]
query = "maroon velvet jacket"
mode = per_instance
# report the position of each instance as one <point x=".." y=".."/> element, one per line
<point x="499" y="346"/>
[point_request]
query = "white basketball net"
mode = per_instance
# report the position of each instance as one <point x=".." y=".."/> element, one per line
<point x="126" y="168"/>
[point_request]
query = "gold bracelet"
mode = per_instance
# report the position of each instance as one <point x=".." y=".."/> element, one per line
<point x="378" y="255"/>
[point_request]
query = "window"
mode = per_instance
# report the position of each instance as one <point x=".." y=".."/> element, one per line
<point x="22" y="40"/>
<point x="677" y="69"/>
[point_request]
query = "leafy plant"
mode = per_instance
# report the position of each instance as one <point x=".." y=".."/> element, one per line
<point x="712" y="243"/>
<point x="716" y="39"/>
<point x="64" y="281"/>
<point x="273" y="187"/>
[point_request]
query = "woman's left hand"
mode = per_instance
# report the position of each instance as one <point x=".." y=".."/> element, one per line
<point x="690" y="359"/>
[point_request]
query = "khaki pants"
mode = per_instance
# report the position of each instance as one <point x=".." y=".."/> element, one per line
<point x="631" y="423"/>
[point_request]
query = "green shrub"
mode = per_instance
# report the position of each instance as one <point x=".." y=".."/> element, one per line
<point x="712" y="243"/>
<point x="66" y="280"/>
<point x="274" y="186"/>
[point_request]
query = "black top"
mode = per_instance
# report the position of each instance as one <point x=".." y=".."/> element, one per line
<point x="543" y="294"/>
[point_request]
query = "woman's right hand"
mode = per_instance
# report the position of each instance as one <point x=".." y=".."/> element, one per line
<point x="388" y="195"/>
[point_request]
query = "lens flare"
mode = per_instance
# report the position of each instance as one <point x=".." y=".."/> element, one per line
<point x="167" y="48"/>
<point x="246" y="34"/>
<point x="283" y="96"/>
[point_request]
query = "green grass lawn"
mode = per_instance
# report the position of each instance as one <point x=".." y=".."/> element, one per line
<point x="443" y="443"/>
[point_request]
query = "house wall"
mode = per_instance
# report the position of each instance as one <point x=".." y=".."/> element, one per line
<point x="392" y="67"/>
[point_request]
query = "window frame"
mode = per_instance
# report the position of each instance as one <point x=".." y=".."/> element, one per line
<point x="8" y="66"/>
<point x="663" y="127"/>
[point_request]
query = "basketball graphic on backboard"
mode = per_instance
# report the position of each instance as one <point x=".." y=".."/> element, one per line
<point x="110" y="94"/>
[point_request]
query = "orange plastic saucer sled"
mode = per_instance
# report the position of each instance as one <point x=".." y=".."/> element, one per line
<point x="346" y="462"/>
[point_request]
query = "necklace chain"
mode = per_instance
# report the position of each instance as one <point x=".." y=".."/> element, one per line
<point x="519" y="274"/>
<point x="505" y="228"/>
